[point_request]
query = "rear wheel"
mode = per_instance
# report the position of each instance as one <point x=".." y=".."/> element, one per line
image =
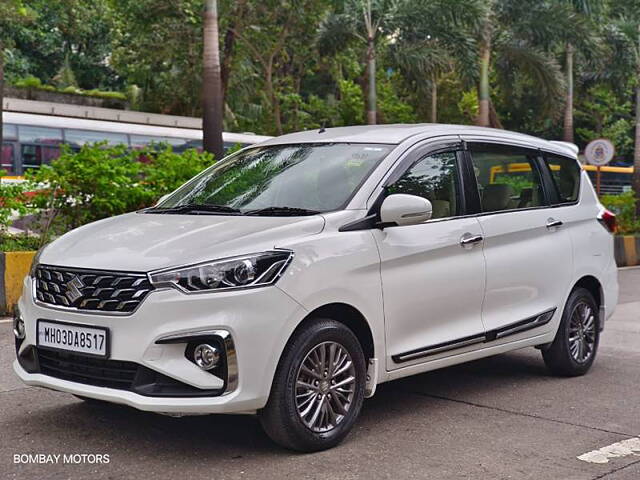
<point x="573" y="351"/>
<point x="318" y="389"/>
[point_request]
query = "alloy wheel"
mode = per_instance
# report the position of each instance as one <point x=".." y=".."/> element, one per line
<point x="325" y="386"/>
<point x="582" y="332"/>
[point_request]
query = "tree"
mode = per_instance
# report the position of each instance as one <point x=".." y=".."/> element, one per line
<point x="576" y="28"/>
<point x="365" y="22"/>
<point x="157" y="45"/>
<point x="434" y="38"/>
<point x="277" y="33"/>
<point x="508" y="37"/>
<point x="11" y="11"/>
<point x="625" y="42"/>
<point x="212" y="104"/>
<point x="70" y="35"/>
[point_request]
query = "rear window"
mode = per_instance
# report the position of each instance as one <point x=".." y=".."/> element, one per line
<point x="566" y="177"/>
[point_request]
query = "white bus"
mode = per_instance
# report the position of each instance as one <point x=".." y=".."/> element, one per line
<point x="33" y="131"/>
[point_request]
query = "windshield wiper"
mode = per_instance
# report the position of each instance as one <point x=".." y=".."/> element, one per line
<point x="195" y="208"/>
<point x="281" y="211"/>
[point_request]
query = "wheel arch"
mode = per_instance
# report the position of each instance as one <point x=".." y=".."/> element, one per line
<point x="349" y="316"/>
<point x="593" y="286"/>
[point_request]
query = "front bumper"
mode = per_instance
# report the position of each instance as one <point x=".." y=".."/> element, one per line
<point x="259" y="321"/>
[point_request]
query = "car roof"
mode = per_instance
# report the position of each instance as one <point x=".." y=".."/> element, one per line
<point x="397" y="133"/>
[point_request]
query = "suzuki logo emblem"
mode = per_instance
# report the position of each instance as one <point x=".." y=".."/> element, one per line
<point x="73" y="292"/>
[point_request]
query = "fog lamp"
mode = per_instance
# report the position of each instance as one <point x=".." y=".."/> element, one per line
<point x="206" y="356"/>
<point x="18" y="325"/>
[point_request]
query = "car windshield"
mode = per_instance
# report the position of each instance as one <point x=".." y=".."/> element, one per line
<point x="299" y="179"/>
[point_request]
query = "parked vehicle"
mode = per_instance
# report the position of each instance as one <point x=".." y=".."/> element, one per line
<point x="292" y="278"/>
<point x="34" y="131"/>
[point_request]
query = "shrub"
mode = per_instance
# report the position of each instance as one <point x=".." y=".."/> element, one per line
<point x="14" y="202"/>
<point x="28" y="82"/>
<point x="167" y="170"/>
<point x="99" y="182"/>
<point x="624" y="206"/>
<point x="19" y="243"/>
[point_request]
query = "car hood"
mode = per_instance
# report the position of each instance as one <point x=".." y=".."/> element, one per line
<point x="144" y="242"/>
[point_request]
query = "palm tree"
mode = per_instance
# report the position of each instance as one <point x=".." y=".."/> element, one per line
<point x="624" y="42"/>
<point x="508" y="36"/>
<point x="580" y="32"/>
<point x="485" y="36"/>
<point x="365" y="22"/>
<point x="212" y="103"/>
<point x="433" y="38"/>
<point x="422" y="63"/>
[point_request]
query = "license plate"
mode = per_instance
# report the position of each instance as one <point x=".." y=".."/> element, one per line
<point x="73" y="338"/>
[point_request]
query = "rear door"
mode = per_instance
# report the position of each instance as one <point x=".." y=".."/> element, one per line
<point x="528" y="252"/>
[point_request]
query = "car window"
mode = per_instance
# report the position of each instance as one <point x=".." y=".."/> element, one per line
<point x="566" y="177"/>
<point x="318" y="177"/>
<point x="507" y="180"/>
<point x="434" y="177"/>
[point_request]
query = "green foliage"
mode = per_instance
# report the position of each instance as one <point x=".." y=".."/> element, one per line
<point x="65" y="77"/>
<point x="603" y="113"/>
<point x="624" y="206"/>
<point x="13" y="203"/>
<point x="167" y="170"/>
<point x="302" y="64"/>
<point x="81" y="31"/>
<point x="32" y="82"/>
<point x="351" y="102"/>
<point x="91" y="184"/>
<point x="99" y="182"/>
<point x="28" y="82"/>
<point x="19" y="243"/>
<point x="392" y="108"/>
<point x="517" y="182"/>
<point x="468" y="105"/>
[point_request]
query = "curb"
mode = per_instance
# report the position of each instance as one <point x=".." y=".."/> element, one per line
<point x="14" y="266"/>
<point x="627" y="250"/>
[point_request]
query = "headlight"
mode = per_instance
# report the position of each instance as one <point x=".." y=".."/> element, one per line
<point x="247" y="271"/>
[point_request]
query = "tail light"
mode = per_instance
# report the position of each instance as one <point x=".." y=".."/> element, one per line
<point x="608" y="220"/>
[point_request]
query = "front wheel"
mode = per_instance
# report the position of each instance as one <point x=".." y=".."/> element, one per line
<point x="574" y="349"/>
<point x="318" y="389"/>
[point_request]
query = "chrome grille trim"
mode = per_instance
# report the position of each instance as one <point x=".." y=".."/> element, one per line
<point x="93" y="291"/>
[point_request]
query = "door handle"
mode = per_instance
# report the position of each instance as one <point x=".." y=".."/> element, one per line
<point x="469" y="240"/>
<point x="553" y="223"/>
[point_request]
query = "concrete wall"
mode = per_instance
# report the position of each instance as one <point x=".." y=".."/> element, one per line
<point x="14" y="266"/>
<point x="627" y="248"/>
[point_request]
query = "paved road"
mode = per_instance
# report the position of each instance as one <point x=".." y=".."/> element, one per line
<point x="498" y="418"/>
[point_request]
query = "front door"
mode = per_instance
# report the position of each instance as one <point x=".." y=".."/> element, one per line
<point x="433" y="274"/>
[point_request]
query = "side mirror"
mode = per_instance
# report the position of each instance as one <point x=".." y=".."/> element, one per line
<point x="401" y="209"/>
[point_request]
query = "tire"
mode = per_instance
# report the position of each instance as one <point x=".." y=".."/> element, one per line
<point x="573" y="358"/>
<point x="282" y="418"/>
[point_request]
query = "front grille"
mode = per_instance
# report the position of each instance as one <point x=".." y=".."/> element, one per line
<point x="88" y="370"/>
<point x="91" y="290"/>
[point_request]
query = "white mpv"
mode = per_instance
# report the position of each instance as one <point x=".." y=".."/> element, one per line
<point x="294" y="276"/>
